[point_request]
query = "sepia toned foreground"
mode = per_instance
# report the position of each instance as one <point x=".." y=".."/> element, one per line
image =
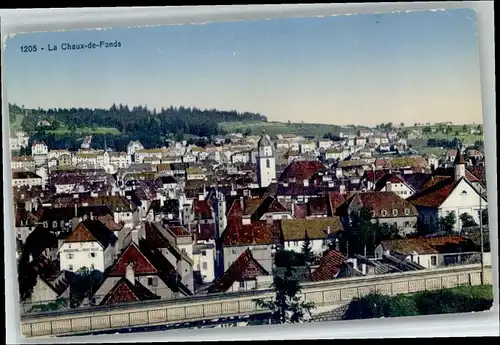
<point x="329" y="295"/>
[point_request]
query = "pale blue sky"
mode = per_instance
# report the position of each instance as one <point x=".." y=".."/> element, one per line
<point x="363" y="69"/>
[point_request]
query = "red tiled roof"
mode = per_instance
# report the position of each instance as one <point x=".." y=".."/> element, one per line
<point x="336" y="198"/>
<point x="383" y="201"/>
<point x="244" y="268"/>
<point x="449" y="172"/>
<point x="432" y="245"/>
<point x="202" y="209"/>
<point x="374" y="176"/>
<point x="435" y="194"/>
<point x="179" y="231"/>
<point x="109" y="222"/>
<point x="205" y="232"/>
<point x="388" y="178"/>
<point x="479" y="172"/>
<point x="317" y="206"/>
<point x="91" y="231"/>
<point x="301" y="170"/>
<point x="125" y="291"/>
<point x="329" y="266"/>
<point x="132" y="255"/>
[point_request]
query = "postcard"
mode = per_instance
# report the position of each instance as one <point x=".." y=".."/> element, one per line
<point x="248" y="173"/>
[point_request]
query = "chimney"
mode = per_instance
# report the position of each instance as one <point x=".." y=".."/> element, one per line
<point x="269" y="219"/>
<point x="242" y="203"/>
<point x="328" y="230"/>
<point x="130" y="273"/>
<point x="342" y="189"/>
<point x="363" y="269"/>
<point x="337" y="245"/>
<point x="306" y="182"/>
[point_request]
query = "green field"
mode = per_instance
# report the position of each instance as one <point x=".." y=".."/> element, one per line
<point x="273" y="128"/>
<point x="87" y="130"/>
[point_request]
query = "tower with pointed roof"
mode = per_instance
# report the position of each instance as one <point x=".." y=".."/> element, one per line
<point x="266" y="162"/>
<point x="459" y="164"/>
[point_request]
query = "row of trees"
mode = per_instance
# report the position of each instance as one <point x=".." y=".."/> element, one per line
<point x="138" y="123"/>
<point x="444" y="301"/>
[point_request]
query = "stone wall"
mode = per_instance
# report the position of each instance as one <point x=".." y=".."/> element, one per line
<point x="326" y="295"/>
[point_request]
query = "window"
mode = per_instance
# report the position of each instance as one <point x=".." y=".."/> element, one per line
<point x="383" y="213"/>
<point x="62" y="223"/>
<point x="70" y="267"/>
<point x="433" y="260"/>
<point x="45" y="224"/>
<point x="268" y="163"/>
<point x="204" y="265"/>
<point x="204" y="253"/>
<point x="92" y="255"/>
<point x="184" y="251"/>
<point x="233" y="251"/>
<point x="69" y="256"/>
<point x="153" y="281"/>
<point x="54" y="224"/>
<point x="242" y="284"/>
<point x="407" y="211"/>
<point x="92" y="244"/>
<point x="407" y="224"/>
<point x="394" y="212"/>
<point x="69" y="245"/>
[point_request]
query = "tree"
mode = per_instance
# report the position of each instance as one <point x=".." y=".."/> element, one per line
<point x="447" y="223"/>
<point x="467" y="220"/>
<point x="402" y="124"/>
<point x="247" y="132"/>
<point x="284" y="258"/>
<point x="306" y="251"/>
<point x="485" y="217"/>
<point x="286" y="306"/>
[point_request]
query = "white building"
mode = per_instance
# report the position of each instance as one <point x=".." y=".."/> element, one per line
<point x="266" y="162"/>
<point x="431" y="252"/>
<point x="448" y="195"/>
<point x="204" y="261"/>
<point x="18" y="140"/>
<point x="240" y="157"/>
<point x="23" y="162"/>
<point x="134" y="146"/>
<point x="26" y="178"/>
<point x="89" y="245"/>
<point x="39" y="148"/>
<point x="294" y="232"/>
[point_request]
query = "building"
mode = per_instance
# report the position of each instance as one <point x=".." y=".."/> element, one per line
<point x="266" y="162"/>
<point x="386" y="207"/>
<point x="39" y="148"/>
<point x="295" y="231"/>
<point x="23" y="163"/>
<point x="243" y="274"/>
<point x="91" y="244"/>
<point x="442" y="195"/>
<point x="18" y="140"/>
<point x="134" y="146"/>
<point x="431" y="252"/>
<point x="26" y="178"/>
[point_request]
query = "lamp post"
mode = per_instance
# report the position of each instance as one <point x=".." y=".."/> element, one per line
<point x="482" y="240"/>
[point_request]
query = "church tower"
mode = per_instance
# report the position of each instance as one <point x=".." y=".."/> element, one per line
<point x="266" y="163"/>
<point x="459" y="165"/>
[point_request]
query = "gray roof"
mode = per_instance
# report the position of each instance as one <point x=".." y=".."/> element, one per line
<point x="264" y="140"/>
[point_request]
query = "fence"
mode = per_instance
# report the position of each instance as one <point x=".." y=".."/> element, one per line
<point x="329" y="294"/>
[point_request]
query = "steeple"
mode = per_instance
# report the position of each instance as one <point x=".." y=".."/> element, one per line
<point x="459" y="163"/>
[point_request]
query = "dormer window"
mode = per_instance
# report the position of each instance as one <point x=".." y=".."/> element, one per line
<point x="407" y="211"/>
<point x="464" y="192"/>
<point x="383" y="213"/>
<point x="394" y="212"/>
<point x="45" y="224"/>
<point x="54" y="224"/>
